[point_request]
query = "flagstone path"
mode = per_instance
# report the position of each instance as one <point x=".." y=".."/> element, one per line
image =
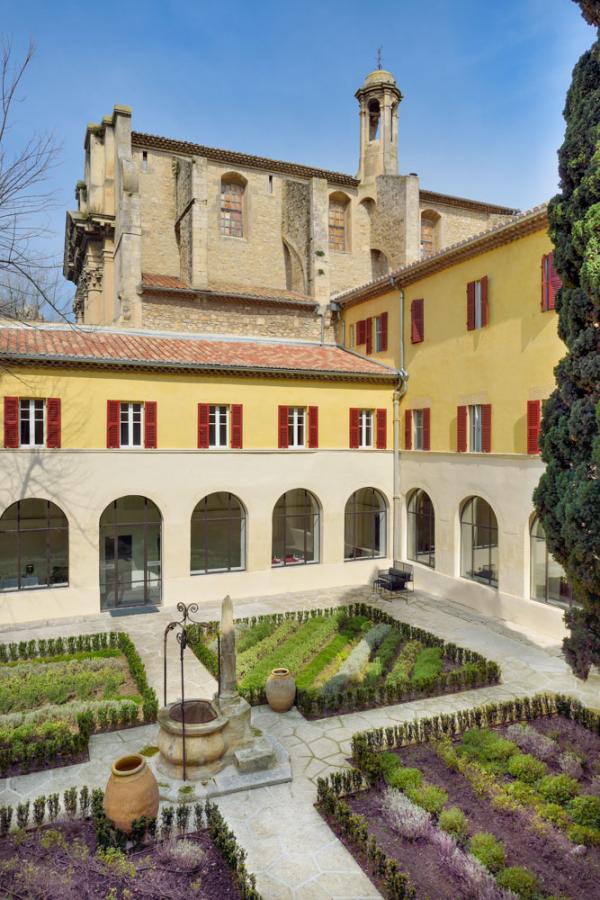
<point x="291" y="850"/>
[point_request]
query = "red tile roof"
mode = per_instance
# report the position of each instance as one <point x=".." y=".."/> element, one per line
<point x="155" y="283"/>
<point x="64" y="345"/>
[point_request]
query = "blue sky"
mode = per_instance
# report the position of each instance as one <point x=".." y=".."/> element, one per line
<point x="483" y="82"/>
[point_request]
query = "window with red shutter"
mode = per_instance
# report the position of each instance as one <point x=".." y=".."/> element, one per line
<point x="11" y="422"/>
<point x="417" y="321"/>
<point x="554" y="282"/>
<point x="381" y="429"/>
<point x="360" y="332"/>
<point x="484" y="301"/>
<point x="354" y="430"/>
<point x="282" y="427"/>
<point x="384" y="331"/>
<point x="113" y="430"/>
<point x="237" y="426"/>
<point x="369" y="335"/>
<point x="203" y="426"/>
<point x="486" y="428"/>
<point x="150" y="425"/>
<point x="534" y="411"/>
<point x="53" y="423"/>
<point x="407" y="429"/>
<point x="313" y="427"/>
<point x="461" y="429"/>
<point x="471" y="306"/>
<point x="426" y="428"/>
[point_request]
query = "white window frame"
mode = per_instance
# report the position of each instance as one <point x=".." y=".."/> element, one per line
<point x="29" y="405"/>
<point x="216" y="413"/>
<point x="417" y="420"/>
<point x="478" y="305"/>
<point x="365" y="429"/>
<point x="129" y="408"/>
<point x="378" y="333"/>
<point x="475" y="428"/>
<point x="297" y="427"/>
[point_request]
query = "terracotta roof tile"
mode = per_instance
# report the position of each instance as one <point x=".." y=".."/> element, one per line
<point x="152" y="282"/>
<point x="61" y="345"/>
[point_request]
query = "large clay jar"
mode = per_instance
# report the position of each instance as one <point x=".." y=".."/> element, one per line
<point x="280" y="690"/>
<point x="131" y="792"/>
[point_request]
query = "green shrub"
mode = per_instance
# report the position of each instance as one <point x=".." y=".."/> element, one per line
<point x="585" y="810"/>
<point x="524" y="794"/>
<point x="487" y="747"/>
<point x="526" y="767"/>
<point x="428" y="797"/>
<point x="520" y="881"/>
<point x="389" y="762"/>
<point x="583" y="834"/>
<point x="403" y="778"/>
<point x="558" y="788"/>
<point x="454" y="821"/>
<point x="428" y="664"/>
<point x="403" y="666"/>
<point x="555" y="814"/>
<point x="488" y="850"/>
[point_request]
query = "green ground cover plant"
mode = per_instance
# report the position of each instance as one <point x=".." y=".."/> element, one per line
<point x="344" y="658"/>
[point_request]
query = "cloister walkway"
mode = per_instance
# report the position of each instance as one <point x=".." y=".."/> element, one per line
<point x="291" y="850"/>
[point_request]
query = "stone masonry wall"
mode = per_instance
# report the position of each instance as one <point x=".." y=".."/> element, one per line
<point x="160" y="252"/>
<point x="295" y="228"/>
<point x="458" y="224"/>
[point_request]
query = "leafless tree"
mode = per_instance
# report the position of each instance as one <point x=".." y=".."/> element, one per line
<point x="29" y="279"/>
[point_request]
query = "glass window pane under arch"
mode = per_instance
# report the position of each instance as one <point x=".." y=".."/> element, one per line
<point x="365" y="525"/>
<point x="130" y="553"/>
<point x="296" y="529"/>
<point x="218" y="534"/>
<point x="479" y="542"/>
<point x="548" y="581"/>
<point x="34" y="546"/>
<point x="421" y="529"/>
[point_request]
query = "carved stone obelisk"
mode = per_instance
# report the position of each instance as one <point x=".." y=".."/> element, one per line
<point x="227" y="680"/>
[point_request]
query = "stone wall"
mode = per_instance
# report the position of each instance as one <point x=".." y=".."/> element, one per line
<point x="295" y="229"/>
<point x="160" y="252"/>
<point x="458" y="223"/>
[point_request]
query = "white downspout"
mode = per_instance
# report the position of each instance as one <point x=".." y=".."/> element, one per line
<point x="399" y="392"/>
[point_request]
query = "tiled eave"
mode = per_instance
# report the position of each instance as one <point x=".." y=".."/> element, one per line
<point x="189" y="293"/>
<point x="465" y="203"/>
<point x="528" y="223"/>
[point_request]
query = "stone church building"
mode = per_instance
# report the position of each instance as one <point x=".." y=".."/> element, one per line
<point x="173" y="235"/>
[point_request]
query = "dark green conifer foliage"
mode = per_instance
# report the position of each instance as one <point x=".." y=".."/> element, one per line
<point x="568" y="496"/>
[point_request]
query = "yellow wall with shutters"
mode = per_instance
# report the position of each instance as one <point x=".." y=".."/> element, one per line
<point x="84" y="394"/>
<point x="506" y="363"/>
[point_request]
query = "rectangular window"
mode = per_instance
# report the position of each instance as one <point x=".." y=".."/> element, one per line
<point x="418" y="437"/>
<point x="218" y="426"/>
<point x="475" y="429"/>
<point x="270" y="184"/>
<point x="296" y="430"/>
<point x="32" y="423"/>
<point x="478" y="305"/>
<point x="379" y="334"/>
<point x="132" y="424"/>
<point x="337" y="225"/>
<point x="351" y="336"/>
<point x="232" y="199"/>
<point x="365" y="428"/>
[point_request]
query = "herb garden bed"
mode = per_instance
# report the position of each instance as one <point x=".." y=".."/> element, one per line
<point x="55" y="693"/>
<point x="345" y="659"/>
<point x="504" y="798"/>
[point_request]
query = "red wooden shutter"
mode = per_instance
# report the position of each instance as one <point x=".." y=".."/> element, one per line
<point x="11" y="422"/>
<point x="369" y="335"/>
<point x="283" y="428"/>
<point x="150" y="425"/>
<point x="484" y="301"/>
<point x="544" y="303"/>
<point x="486" y="428"/>
<point x="534" y="409"/>
<point x="360" y="332"/>
<point x="313" y="426"/>
<point x="555" y="283"/>
<point x="384" y="329"/>
<point x="354" y="436"/>
<point x="237" y="426"/>
<point x="53" y="422"/>
<point x="407" y="429"/>
<point x="203" y="426"/>
<point x="426" y="428"/>
<point x="417" y="321"/>
<point x="471" y="306"/>
<point x="461" y="429"/>
<point x="113" y="431"/>
<point x="381" y="429"/>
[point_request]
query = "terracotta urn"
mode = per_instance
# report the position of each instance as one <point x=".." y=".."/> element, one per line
<point x="131" y="792"/>
<point x="280" y="690"/>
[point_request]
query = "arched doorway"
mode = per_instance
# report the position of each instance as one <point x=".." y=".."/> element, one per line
<point x="130" y="553"/>
<point x="364" y="525"/>
<point x="479" y="542"/>
<point x="421" y="529"/>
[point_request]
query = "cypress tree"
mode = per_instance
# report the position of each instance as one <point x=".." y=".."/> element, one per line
<point x="568" y="496"/>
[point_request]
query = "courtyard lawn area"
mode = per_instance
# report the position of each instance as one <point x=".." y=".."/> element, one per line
<point x="345" y="659"/>
<point x="55" y="693"/>
<point x="504" y="798"/>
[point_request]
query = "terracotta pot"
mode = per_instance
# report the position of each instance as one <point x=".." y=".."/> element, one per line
<point x="131" y="792"/>
<point x="280" y="690"/>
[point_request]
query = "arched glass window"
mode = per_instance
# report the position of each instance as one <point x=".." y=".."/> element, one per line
<point x="339" y="205"/>
<point x="218" y="534"/>
<point x="34" y="546"/>
<point x="479" y="542"/>
<point x="548" y="580"/>
<point x="421" y="529"/>
<point x="232" y="205"/>
<point x="130" y="553"/>
<point x="364" y="525"/>
<point x="296" y="520"/>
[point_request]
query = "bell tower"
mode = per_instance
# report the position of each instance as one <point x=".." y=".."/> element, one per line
<point x="379" y="98"/>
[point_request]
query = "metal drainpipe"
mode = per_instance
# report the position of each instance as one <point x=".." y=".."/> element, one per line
<point x="399" y="392"/>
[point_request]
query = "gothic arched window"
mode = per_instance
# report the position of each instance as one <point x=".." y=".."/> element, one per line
<point x="232" y="205"/>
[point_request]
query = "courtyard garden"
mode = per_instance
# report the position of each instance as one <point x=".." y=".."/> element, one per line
<point x="500" y="801"/>
<point x="345" y="659"/>
<point x="55" y="693"/>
